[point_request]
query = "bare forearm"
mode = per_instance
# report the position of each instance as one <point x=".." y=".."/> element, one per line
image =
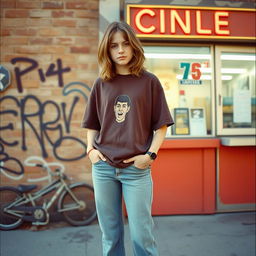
<point x="91" y="134"/>
<point x="158" y="139"/>
<point x="94" y="154"/>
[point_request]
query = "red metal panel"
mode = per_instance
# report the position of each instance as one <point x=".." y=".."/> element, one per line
<point x="237" y="168"/>
<point x="190" y="143"/>
<point x="184" y="178"/>
<point x="209" y="181"/>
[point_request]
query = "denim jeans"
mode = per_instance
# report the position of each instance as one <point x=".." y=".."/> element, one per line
<point x="135" y="187"/>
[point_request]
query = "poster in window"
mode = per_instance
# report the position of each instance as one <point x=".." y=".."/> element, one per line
<point x="181" y="119"/>
<point x="197" y="122"/>
<point x="242" y="107"/>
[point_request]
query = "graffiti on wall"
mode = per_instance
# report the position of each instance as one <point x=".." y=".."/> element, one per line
<point x="53" y="70"/>
<point x="53" y="129"/>
<point x="35" y="161"/>
<point x="11" y="167"/>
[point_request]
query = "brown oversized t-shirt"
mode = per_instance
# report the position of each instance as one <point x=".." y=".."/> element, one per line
<point x="126" y="111"/>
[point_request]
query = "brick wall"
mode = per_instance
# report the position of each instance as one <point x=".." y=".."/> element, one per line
<point x="50" y="49"/>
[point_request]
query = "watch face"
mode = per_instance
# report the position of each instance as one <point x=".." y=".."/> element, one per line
<point x="152" y="155"/>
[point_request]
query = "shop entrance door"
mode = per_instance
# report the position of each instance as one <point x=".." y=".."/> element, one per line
<point x="236" y="124"/>
<point x="235" y="79"/>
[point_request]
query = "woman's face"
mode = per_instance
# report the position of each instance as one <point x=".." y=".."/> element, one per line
<point x="121" y="51"/>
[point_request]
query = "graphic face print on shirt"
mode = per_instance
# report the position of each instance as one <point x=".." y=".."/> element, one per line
<point x="122" y="107"/>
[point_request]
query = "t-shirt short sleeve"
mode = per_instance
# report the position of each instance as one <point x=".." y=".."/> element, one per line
<point x="91" y="119"/>
<point x="160" y="114"/>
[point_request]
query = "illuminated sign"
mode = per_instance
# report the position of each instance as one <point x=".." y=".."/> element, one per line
<point x="156" y="21"/>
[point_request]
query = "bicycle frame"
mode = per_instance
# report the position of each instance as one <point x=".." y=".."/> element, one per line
<point x="75" y="200"/>
<point x="59" y="185"/>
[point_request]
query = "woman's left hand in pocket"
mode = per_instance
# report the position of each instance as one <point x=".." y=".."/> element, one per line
<point x="140" y="161"/>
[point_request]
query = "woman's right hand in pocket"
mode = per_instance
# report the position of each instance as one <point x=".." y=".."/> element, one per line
<point x="95" y="156"/>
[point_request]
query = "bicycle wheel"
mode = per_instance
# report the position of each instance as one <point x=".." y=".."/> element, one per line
<point x="81" y="211"/>
<point x="7" y="196"/>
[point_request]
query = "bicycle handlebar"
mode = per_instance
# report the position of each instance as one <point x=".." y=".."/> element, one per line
<point x="47" y="166"/>
<point x="58" y="171"/>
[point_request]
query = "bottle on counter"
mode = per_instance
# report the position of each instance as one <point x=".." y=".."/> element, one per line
<point x="182" y="99"/>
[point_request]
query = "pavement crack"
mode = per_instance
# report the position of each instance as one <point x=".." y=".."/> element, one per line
<point x="81" y="236"/>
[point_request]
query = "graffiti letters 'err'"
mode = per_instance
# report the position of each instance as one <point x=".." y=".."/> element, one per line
<point x="54" y="129"/>
<point x="53" y="69"/>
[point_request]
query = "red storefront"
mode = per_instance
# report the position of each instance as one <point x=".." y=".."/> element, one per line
<point x="205" y="60"/>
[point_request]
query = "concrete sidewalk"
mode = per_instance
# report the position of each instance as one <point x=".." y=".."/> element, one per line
<point x="229" y="234"/>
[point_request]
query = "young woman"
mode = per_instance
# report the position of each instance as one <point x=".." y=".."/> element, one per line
<point x="126" y="117"/>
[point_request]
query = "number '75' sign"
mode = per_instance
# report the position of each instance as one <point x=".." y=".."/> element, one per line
<point x="193" y="68"/>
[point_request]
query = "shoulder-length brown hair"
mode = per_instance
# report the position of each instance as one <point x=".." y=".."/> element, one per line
<point x="107" y="65"/>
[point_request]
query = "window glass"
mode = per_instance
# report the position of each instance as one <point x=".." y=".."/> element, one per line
<point x="238" y="90"/>
<point x="186" y="76"/>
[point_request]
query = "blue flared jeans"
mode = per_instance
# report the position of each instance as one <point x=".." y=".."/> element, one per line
<point x="135" y="187"/>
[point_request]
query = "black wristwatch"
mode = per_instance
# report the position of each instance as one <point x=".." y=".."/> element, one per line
<point x="152" y="155"/>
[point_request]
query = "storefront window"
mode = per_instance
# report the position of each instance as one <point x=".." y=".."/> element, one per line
<point x="236" y="92"/>
<point x="186" y="76"/>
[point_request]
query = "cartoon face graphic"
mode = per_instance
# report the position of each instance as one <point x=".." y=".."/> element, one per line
<point x="121" y="107"/>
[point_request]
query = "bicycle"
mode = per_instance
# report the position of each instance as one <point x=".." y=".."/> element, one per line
<point x="18" y="204"/>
